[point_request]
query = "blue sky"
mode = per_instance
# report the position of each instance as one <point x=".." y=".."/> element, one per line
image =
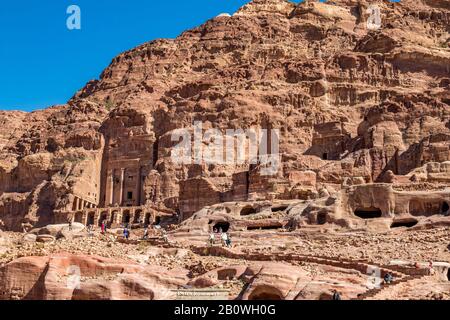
<point x="43" y="63"/>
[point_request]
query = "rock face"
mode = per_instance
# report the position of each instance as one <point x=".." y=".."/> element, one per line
<point x="353" y="106"/>
<point x="69" y="277"/>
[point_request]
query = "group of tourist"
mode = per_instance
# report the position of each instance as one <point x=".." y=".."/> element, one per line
<point x="224" y="237"/>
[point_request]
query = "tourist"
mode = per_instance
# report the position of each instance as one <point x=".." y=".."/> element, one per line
<point x="126" y="233"/>
<point x="224" y="237"/>
<point x="336" y="295"/>
<point x="212" y="238"/>
<point x="103" y="227"/>
<point x="70" y="225"/>
<point x="145" y="237"/>
<point x="90" y="230"/>
<point x="228" y="242"/>
<point x="388" y="278"/>
<point x="164" y="236"/>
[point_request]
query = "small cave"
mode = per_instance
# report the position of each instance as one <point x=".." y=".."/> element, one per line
<point x="126" y="218"/>
<point x="226" y="274"/>
<point x="322" y="218"/>
<point x="448" y="274"/>
<point x="248" y="211"/>
<point x="222" y="225"/>
<point x="368" y="213"/>
<point x="445" y="207"/>
<point x="279" y="208"/>
<point x="265" y="293"/>
<point x="404" y="223"/>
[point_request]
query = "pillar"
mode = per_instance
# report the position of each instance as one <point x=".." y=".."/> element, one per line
<point x="139" y="186"/>
<point x="122" y="182"/>
<point x="111" y="188"/>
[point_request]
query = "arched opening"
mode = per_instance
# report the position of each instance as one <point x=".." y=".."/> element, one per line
<point x="265" y="293"/>
<point x="157" y="220"/>
<point x="368" y="213"/>
<point x="404" y="223"/>
<point x="246" y="211"/>
<point x="322" y="218"/>
<point x="325" y="156"/>
<point x="222" y="225"/>
<point x="79" y="217"/>
<point x="147" y="219"/>
<point x="445" y="207"/>
<point x="113" y="217"/>
<point x="126" y="217"/>
<point x="137" y="216"/>
<point x="91" y="218"/>
<point x="103" y="217"/>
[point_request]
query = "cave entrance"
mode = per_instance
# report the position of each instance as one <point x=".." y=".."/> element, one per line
<point x="445" y="207"/>
<point x="448" y="274"/>
<point x="279" y="208"/>
<point x="322" y="218"/>
<point x="265" y="293"/>
<point x="157" y="220"/>
<point x="248" y="211"/>
<point x="126" y="217"/>
<point x="137" y="216"/>
<point x="222" y="225"/>
<point x="368" y="213"/>
<point x="405" y="223"/>
<point x="147" y="219"/>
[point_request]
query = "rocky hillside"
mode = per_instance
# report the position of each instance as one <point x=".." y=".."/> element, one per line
<point x="348" y="101"/>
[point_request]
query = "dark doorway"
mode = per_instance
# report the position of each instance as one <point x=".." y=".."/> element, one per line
<point x="322" y="218"/>
<point x="157" y="220"/>
<point x="406" y="223"/>
<point x="103" y="217"/>
<point x="126" y="217"/>
<point x="448" y="274"/>
<point x="278" y="209"/>
<point x="137" y="217"/>
<point x="91" y="219"/>
<point x="248" y="211"/>
<point x="445" y="207"/>
<point x="368" y="213"/>
<point x="130" y="195"/>
<point x="147" y="219"/>
<point x="325" y="156"/>
<point x="79" y="217"/>
<point x="222" y="225"/>
<point x="265" y="293"/>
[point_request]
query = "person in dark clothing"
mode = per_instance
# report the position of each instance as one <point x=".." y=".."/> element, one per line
<point x="336" y="295"/>
<point x="388" y="278"/>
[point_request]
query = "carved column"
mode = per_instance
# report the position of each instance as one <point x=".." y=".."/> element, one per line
<point x="122" y="181"/>
<point x="111" y="188"/>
